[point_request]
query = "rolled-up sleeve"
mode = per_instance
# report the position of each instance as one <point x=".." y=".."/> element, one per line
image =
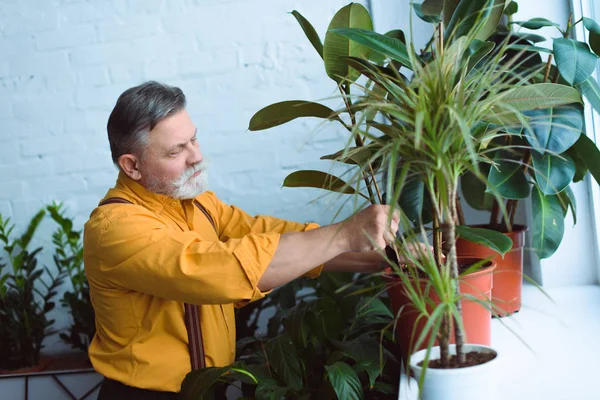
<point x="137" y="251"/>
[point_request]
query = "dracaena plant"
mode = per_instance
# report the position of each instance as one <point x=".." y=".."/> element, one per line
<point x="426" y="120"/>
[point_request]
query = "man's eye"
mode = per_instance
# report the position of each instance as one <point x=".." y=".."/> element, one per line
<point x="174" y="153"/>
<point x="194" y="139"/>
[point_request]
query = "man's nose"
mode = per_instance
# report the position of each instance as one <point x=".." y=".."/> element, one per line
<point x="195" y="155"/>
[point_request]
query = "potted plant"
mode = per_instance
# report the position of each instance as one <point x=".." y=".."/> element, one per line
<point x="68" y="257"/>
<point x="26" y="298"/>
<point x="555" y="153"/>
<point x="463" y="95"/>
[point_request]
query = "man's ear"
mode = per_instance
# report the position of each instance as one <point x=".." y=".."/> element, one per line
<point x="131" y="166"/>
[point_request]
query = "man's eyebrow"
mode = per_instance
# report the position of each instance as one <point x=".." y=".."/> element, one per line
<point x="181" y="145"/>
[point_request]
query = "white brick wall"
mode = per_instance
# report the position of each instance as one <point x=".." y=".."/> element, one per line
<point x="65" y="62"/>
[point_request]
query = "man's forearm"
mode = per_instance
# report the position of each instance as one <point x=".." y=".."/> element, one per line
<point x="355" y="262"/>
<point x="299" y="252"/>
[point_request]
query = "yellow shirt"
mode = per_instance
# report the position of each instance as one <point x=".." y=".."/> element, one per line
<point x="143" y="261"/>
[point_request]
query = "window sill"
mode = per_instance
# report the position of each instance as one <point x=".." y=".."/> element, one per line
<point x="559" y="357"/>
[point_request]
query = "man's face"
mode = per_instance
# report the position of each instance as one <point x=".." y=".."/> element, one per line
<point x="172" y="163"/>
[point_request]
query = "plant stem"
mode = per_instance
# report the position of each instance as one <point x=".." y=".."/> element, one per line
<point x="458" y="332"/>
<point x="494" y="215"/>
<point x="459" y="211"/>
<point x="548" y="65"/>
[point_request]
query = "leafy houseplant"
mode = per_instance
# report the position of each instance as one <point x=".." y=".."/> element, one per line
<point x="325" y="345"/>
<point x="68" y="257"/>
<point x="555" y="153"/>
<point x="465" y="94"/>
<point x="25" y="298"/>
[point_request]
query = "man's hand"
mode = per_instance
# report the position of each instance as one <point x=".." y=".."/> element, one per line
<point x="370" y="229"/>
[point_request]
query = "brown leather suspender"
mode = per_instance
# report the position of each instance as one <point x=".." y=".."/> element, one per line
<point x="192" y="311"/>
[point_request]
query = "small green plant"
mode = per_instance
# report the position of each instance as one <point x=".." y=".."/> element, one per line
<point x="25" y="297"/>
<point x="68" y="257"/>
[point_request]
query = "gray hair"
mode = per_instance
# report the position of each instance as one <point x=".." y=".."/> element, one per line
<point x="138" y="110"/>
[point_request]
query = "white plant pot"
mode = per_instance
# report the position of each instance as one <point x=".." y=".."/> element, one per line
<point x="471" y="383"/>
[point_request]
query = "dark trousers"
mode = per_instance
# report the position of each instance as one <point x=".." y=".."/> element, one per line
<point x="113" y="390"/>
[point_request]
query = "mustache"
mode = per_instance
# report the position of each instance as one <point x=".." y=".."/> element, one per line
<point x="199" y="167"/>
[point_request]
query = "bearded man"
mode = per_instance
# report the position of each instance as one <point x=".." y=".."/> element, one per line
<point x="166" y="258"/>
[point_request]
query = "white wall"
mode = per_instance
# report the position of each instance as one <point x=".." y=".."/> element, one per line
<point x="575" y="262"/>
<point x="65" y="63"/>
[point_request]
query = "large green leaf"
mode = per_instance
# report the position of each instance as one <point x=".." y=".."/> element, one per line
<point x="588" y="152"/>
<point x="581" y="168"/>
<point x="344" y="380"/>
<point x="548" y="223"/>
<point x="353" y="155"/>
<point x="317" y="179"/>
<point x="285" y="111"/>
<point x="554" y="129"/>
<point x="594" y="34"/>
<point x="415" y="201"/>
<point x="535" y="23"/>
<point x="493" y="240"/>
<point x="508" y="180"/>
<point x="394" y="33"/>
<point x="511" y="8"/>
<point x="428" y="14"/>
<point x="284" y="359"/>
<point x="567" y="198"/>
<point x="432" y="7"/>
<point x="336" y="47"/>
<point x="199" y="384"/>
<point x="591" y="91"/>
<point x="478" y="50"/>
<point x="553" y="173"/>
<point x="369" y="307"/>
<point x="540" y="95"/>
<point x="483" y="14"/>
<point x="386" y="45"/>
<point x="310" y="32"/>
<point x="473" y="191"/>
<point x="574" y="60"/>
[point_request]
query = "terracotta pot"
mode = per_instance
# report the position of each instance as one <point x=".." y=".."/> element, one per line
<point x="42" y="365"/>
<point x="508" y="275"/>
<point x="476" y="317"/>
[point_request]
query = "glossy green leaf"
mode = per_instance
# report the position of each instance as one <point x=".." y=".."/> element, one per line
<point x="581" y="169"/>
<point x="426" y="16"/>
<point x="540" y="95"/>
<point x="591" y="91"/>
<point x="344" y="380"/>
<point x="554" y="129"/>
<point x="432" y="7"/>
<point x="548" y="223"/>
<point x="588" y="152"/>
<point x="198" y="384"/>
<point x="494" y="240"/>
<point x="415" y="202"/>
<point x="532" y="37"/>
<point x="474" y="193"/>
<point x="336" y="47"/>
<point x="574" y="60"/>
<point x="450" y="7"/>
<point x="284" y="359"/>
<point x="553" y="173"/>
<point x="567" y="198"/>
<point x="535" y="23"/>
<point x="285" y="111"/>
<point x="352" y="155"/>
<point x="310" y="32"/>
<point x="484" y="14"/>
<point x="478" y="50"/>
<point x="594" y="34"/>
<point x="369" y="307"/>
<point x="380" y="58"/>
<point x="388" y="46"/>
<point x="511" y="8"/>
<point x="317" y="179"/>
<point x="508" y="180"/>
